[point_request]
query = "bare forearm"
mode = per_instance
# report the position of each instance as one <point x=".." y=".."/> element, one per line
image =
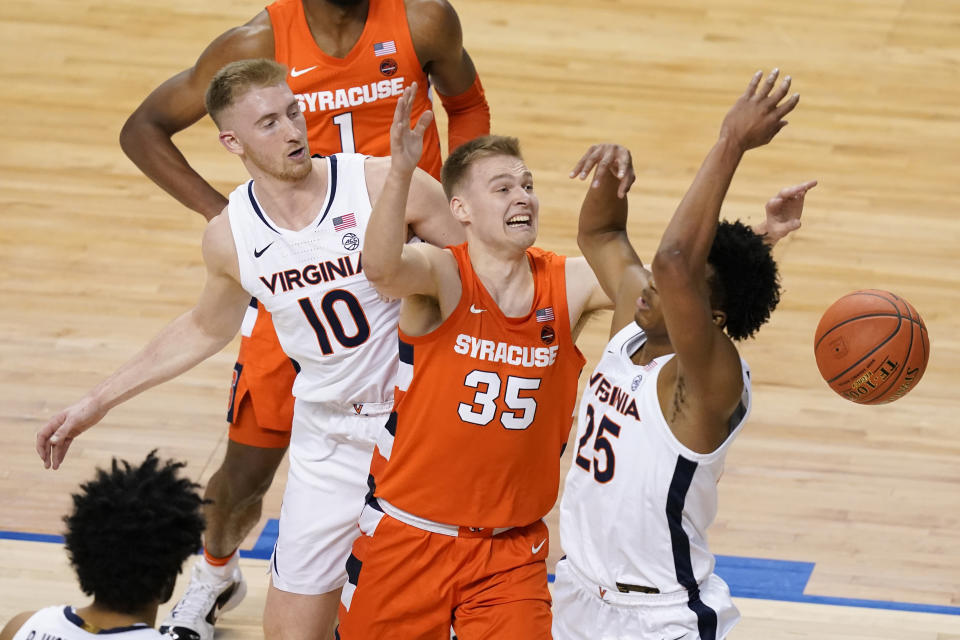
<point x="387" y="229"/>
<point x="601" y="214"/>
<point x="178" y="347"/>
<point x="690" y="232"/>
<point x="152" y="150"/>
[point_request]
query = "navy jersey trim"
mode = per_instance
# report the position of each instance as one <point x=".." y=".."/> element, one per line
<point x="72" y="616"/>
<point x="737" y="417"/>
<point x="683" y="564"/>
<point x="333" y="188"/>
<point x="371" y="491"/>
<point x="406" y="352"/>
<point x="353" y="569"/>
<point x="256" y="207"/>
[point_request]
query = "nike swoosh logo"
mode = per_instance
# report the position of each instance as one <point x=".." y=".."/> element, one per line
<point x="536" y="548"/>
<point x="296" y="73"/>
<point x="257" y="254"/>
<point x="473" y="309"/>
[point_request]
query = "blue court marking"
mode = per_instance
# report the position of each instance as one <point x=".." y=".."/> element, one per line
<point x="759" y="578"/>
<point x="30" y="537"/>
<point x="263" y="547"/>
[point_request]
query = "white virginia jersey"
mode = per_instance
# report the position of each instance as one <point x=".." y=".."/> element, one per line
<point x="328" y="317"/>
<point x="637" y="503"/>
<point x="62" y="623"/>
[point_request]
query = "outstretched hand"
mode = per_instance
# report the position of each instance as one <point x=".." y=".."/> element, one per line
<point x="784" y="211"/>
<point x="758" y="114"/>
<point x="55" y="437"/>
<point x="607" y="157"/>
<point x="406" y="144"/>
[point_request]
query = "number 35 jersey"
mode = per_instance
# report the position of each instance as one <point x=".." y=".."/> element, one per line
<point x="328" y="317"/>
<point x="636" y="502"/>
<point x="483" y="407"/>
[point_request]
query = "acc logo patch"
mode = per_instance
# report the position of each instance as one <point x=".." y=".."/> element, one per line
<point x="389" y="67"/>
<point x="547" y="334"/>
<point x="350" y="241"/>
<point x="636" y="383"/>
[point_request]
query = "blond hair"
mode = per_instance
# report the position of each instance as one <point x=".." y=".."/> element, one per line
<point x="237" y="78"/>
<point x="464" y="156"/>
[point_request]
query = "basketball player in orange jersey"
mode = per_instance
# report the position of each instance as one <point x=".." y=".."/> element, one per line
<point x="348" y="62"/>
<point x="468" y="463"/>
<point x="290" y="237"/>
<point x="668" y="396"/>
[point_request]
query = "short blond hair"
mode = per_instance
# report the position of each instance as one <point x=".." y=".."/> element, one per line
<point x="237" y="78"/>
<point x="464" y="156"/>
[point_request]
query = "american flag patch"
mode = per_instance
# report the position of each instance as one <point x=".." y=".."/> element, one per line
<point x="345" y="222"/>
<point x="384" y="48"/>
<point x="545" y="314"/>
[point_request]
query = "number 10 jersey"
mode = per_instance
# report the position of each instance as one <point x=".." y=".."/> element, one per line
<point x="328" y="317"/>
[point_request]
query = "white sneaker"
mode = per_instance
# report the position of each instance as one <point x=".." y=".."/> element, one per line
<point x="206" y="597"/>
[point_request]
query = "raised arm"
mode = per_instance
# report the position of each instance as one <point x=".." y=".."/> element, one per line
<point x="602" y="233"/>
<point x="397" y="269"/>
<point x="438" y="39"/>
<point x="176" y="104"/>
<point x="182" y="344"/>
<point x="708" y="363"/>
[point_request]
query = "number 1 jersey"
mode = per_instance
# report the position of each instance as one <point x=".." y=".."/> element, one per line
<point x="328" y="317"/>
<point x="483" y="407"/>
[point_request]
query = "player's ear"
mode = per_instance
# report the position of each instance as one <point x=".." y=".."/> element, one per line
<point x="459" y="209"/>
<point x="719" y="318"/>
<point x="229" y="140"/>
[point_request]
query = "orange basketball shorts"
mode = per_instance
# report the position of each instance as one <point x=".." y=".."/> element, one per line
<point x="407" y="582"/>
<point x="260" y="409"/>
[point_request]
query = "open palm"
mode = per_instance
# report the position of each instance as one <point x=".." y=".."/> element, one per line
<point x="406" y="144"/>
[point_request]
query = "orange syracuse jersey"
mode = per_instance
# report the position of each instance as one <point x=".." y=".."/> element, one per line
<point x="483" y="407"/>
<point x="349" y="102"/>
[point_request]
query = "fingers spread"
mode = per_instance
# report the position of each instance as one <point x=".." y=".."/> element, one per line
<point x="767" y="85"/>
<point x="752" y="85"/>
<point x="788" y="106"/>
<point x="781" y="91"/>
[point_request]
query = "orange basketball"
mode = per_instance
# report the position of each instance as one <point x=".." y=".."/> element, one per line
<point x="871" y="346"/>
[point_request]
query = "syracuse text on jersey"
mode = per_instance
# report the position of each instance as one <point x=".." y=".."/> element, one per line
<point x="507" y="353"/>
<point x="350" y="97"/>
<point x="325" y="271"/>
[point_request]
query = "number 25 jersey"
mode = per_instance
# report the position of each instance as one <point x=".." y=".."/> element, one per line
<point x="328" y="317"/>
<point x="636" y="502"/>
<point x="483" y="407"/>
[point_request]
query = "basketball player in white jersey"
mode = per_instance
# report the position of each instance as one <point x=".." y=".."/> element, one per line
<point x="668" y="396"/>
<point x="130" y="531"/>
<point x="291" y="237"/>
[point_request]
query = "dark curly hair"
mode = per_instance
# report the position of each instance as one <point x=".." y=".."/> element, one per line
<point x="130" y="531"/>
<point x="746" y="284"/>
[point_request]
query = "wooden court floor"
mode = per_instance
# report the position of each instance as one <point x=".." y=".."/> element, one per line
<point x="94" y="259"/>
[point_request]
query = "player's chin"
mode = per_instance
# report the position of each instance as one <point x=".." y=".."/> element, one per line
<point x="525" y="234"/>
<point x="648" y="320"/>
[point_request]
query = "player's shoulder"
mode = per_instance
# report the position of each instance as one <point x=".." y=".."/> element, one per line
<point x="11" y="628"/>
<point x="253" y="39"/>
<point x="433" y="24"/>
<point x="219" y="247"/>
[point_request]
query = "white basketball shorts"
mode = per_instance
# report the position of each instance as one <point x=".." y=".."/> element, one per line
<point x="582" y="610"/>
<point x="330" y="450"/>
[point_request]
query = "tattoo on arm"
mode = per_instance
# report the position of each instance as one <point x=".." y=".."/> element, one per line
<point x="679" y="398"/>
